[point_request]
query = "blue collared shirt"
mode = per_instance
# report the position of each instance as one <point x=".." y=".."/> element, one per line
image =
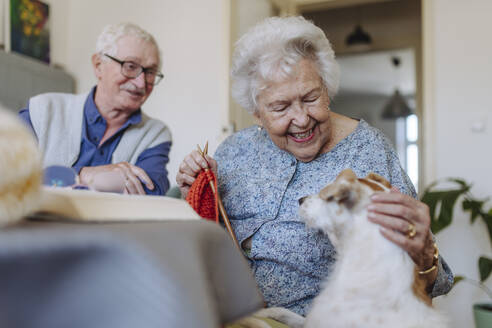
<point x="153" y="160"/>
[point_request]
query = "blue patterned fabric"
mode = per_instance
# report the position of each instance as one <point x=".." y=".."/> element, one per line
<point x="260" y="186"/>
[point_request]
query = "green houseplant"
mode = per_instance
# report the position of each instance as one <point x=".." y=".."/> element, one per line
<point x="441" y="204"/>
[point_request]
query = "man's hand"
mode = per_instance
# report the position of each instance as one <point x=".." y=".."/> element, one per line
<point x="121" y="177"/>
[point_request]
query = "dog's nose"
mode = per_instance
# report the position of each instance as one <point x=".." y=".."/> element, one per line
<point x="301" y="200"/>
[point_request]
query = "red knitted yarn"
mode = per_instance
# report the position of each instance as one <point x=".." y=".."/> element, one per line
<point x="201" y="197"/>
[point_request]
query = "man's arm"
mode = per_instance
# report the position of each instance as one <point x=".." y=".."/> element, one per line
<point x="26" y="118"/>
<point x="147" y="176"/>
<point x="153" y="161"/>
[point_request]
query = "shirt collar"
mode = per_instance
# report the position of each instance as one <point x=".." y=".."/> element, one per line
<point x="92" y="113"/>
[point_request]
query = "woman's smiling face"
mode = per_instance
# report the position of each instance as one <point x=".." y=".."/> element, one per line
<point x="294" y="111"/>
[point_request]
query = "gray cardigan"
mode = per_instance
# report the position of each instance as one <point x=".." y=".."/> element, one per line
<point x="57" y="119"/>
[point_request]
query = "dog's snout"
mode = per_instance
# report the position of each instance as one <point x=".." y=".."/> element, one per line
<point x="301" y="200"/>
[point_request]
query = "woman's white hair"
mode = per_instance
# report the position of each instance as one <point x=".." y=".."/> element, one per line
<point x="107" y="41"/>
<point x="271" y="49"/>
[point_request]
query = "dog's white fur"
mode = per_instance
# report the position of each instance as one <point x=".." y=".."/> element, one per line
<point x="20" y="169"/>
<point x="374" y="282"/>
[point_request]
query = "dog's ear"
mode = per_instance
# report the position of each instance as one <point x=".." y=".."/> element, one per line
<point x="346" y="175"/>
<point x="343" y="190"/>
<point x="376" y="177"/>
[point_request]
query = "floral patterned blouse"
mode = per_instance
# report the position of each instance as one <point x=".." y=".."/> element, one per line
<point x="260" y="186"/>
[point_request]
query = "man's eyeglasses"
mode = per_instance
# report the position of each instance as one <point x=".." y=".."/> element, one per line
<point x="132" y="70"/>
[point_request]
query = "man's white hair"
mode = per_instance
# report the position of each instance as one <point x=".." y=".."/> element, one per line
<point x="271" y="49"/>
<point x="107" y="40"/>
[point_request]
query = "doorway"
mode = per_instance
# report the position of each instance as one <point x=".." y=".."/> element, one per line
<point x="368" y="78"/>
<point x="368" y="84"/>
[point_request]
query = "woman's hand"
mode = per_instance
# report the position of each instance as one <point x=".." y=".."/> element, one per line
<point x="406" y="222"/>
<point x="189" y="169"/>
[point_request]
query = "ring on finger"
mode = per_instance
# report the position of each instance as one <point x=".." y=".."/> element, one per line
<point x="411" y="230"/>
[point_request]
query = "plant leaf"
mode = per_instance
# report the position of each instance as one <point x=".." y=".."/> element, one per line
<point x="487" y="217"/>
<point x="446" y="199"/>
<point x="475" y="206"/>
<point x="432" y="198"/>
<point x="461" y="182"/>
<point x="485" y="267"/>
<point x="457" y="279"/>
<point x="447" y="206"/>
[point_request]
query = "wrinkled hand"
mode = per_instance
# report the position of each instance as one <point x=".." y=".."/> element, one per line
<point x="189" y="169"/>
<point x="120" y="177"/>
<point x="396" y="212"/>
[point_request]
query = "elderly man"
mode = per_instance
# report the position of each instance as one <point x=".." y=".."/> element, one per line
<point x="103" y="135"/>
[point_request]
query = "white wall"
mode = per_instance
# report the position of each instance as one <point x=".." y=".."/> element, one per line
<point x="58" y="25"/>
<point x="244" y="15"/>
<point x="461" y="70"/>
<point x="193" y="97"/>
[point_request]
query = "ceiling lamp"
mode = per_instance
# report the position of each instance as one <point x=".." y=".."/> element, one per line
<point x="358" y="38"/>
<point x="397" y="106"/>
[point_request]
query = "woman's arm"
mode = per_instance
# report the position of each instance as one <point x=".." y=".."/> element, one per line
<point x="400" y="213"/>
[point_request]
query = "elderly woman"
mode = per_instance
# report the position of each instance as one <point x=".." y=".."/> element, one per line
<point x="285" y="74"/>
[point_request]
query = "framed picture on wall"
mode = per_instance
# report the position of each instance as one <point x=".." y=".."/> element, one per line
<point x="29" y="29"/>
<point x="2" y="23"/>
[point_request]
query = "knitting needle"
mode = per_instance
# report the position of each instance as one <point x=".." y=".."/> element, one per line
<point x="203" y="153"/>
<point x="205" y="149"/>
<point x="219" y="200"/>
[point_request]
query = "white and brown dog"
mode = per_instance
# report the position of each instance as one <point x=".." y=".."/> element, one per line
<point x="374" y="282"/>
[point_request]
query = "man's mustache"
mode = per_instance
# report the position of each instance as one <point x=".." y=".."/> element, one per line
<point x="132" y="88"/>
